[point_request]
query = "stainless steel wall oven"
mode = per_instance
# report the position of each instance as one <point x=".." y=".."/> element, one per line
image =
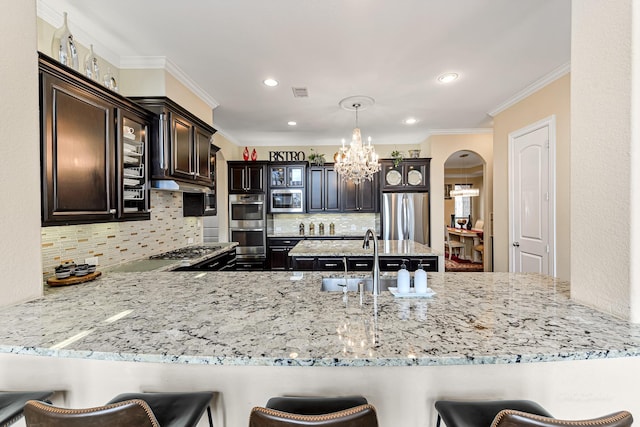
<point x="248" y="227"/>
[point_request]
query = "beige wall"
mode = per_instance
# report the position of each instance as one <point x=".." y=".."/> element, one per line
<point x="20" y="267"/>
<point x="604" y="155"/>
<point x="383" y="151"/>
<point x="553" y="99"/>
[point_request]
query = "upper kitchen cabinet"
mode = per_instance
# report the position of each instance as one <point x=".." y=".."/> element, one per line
<point x="323" y="190"/>
<point x="181" y="146"/>
<point x="362" y="197"/>
<point x="287" y="175"/>
<point x="246" y="177"/>
<point x="409" y="175"/>
<point x="93" y="150"/>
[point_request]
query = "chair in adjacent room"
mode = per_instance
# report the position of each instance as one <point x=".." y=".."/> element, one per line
<point x="130" y="413"/>
<point x="359" y="416"/>
<point x="174" y="409"/>
<point x="478" y="243"/>
<point x="481" y="413"/>
<point x="511" y="418"/>
<point x="450" y="245"/>
<point x="12" y="404"/>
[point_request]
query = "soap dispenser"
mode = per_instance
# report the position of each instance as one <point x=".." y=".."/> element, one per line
<point x="404" y="279"/>
<point x="420" y="280"/>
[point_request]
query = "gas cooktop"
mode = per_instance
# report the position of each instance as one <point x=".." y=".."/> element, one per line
<point x="191" y="252"/>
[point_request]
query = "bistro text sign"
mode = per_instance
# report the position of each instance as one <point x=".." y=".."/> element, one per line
<point x="286" y="156"/>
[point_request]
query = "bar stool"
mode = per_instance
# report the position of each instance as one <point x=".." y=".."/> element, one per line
<point x="314" y="405"/>
<point x="481" y="413"/>
<point x="12" y="404"/>
<point x="510" y="418"/>
<point x="174" y="409"/>
<point x="359" y="416"/>
<point x="130" y="413"/>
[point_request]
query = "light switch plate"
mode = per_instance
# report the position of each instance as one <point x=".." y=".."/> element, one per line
<point x="91" y="261"/>
<point x="190" y="240"/>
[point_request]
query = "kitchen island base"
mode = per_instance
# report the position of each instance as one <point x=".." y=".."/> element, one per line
<point x="403" y="396"/>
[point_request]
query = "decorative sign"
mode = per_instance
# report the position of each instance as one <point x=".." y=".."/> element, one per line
<point x="286" y="156"/>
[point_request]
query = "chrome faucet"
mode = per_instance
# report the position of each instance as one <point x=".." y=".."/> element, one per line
<point x="376" y="264"/>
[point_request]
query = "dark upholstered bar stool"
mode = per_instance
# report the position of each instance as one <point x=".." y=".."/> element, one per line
<point x="481" y="413"/>
<point x="359" y="416"/>
<point x="130" y="413"/>
<point x="314" y="405"/>
<point x="510" y="418"/>
<point x="174" y="409"/>
<point x="12" y="403"/>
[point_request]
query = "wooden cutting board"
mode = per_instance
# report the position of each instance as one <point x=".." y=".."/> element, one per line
<point x="73" y="280"/>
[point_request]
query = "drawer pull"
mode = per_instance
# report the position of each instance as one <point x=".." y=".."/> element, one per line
<point x="361" y="265"/>
<point x="393" y="264"/>
<point x="333" y="264"/>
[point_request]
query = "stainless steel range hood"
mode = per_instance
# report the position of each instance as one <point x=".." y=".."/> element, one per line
<point x="170" y="185"/>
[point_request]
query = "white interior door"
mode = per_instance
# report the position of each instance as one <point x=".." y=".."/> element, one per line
<point x="532" y="200"/>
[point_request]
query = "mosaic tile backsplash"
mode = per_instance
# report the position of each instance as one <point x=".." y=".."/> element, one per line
<point x="114" y="243"/>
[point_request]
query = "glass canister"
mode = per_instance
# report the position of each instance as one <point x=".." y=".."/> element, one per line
<point x="332" y="229"/>
<point x="312" y="229"/>
<point x="321" y="228"/>
<point x="301" y="229"/>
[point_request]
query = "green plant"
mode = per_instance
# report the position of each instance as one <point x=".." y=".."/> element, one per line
<point x="316" y="158"/>
<point x="397" y="157"/>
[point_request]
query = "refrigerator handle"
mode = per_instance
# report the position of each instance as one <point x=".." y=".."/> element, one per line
<point x="405" y="217"/>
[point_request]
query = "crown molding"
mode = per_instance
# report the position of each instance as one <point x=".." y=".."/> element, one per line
<point x="532" y="88"/>
<point x="462" y="131"/>
<point x="164" y="63"/>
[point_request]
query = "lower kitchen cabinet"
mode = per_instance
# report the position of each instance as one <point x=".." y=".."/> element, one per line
<point x="389" y="264"/>
<point x="223" y="262"/>
<point x="278" y="253"/>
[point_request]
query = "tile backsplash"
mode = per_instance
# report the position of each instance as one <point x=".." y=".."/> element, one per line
<point x="118" y="242"/>
<point x="345" y="224"/>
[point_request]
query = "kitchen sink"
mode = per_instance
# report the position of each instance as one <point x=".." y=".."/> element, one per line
<point x="336" y="284"/>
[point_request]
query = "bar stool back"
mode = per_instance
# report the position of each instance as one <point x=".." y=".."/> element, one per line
<point x="12" y="403"/>
<point x="481" y="413"/>
<point x="360" y="416"/>
<point x="174" y="409"/>
<point x="131" y="413"/>
<point x="314" y="405"/>
<point x="511" y="418"/>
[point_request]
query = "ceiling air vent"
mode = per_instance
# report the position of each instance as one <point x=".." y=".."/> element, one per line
<point x="300" y="92"/>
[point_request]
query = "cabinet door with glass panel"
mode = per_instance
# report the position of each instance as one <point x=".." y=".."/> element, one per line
<point x="287" y="175"/>
<point x="133" y="137"/>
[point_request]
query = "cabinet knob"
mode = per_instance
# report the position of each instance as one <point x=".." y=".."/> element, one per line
<point x="112" y="211"/>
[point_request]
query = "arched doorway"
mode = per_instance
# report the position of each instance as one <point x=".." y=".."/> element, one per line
<point x="464" y="212"/>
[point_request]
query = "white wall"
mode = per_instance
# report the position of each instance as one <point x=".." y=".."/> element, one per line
<point x="20" y="267"/>
<point x="603" y="155"/>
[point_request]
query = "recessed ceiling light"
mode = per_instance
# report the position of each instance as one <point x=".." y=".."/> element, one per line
<point x="410" y="121"/>
<point x="448" y="77"/>
<point x="270" y="82"/>
<point x="292" y="123"/>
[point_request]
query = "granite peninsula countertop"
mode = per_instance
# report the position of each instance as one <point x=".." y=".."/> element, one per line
<point x="267" y="319"/>
<point x="394" y="248"/>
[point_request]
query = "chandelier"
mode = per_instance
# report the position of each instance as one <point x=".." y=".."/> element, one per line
<point x="357" y="161"/>
<point x="466" y="191"/>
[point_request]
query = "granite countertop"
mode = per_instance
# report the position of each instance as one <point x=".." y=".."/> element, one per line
<point x="354" y="248"/>
<point x="267" y="319"/>
<point x="147" y="264"/>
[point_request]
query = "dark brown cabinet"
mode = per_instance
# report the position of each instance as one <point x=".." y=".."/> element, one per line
<point x="409" y="175"/>
<point x="323" y="190"/>
<point x="362" y="197"/>
<point x="90" y="138"/>
<point x="181" y="147"/>
<point x="246" y="177"/>
<point x="278" y="253"/>
<point x="388" y="263"/>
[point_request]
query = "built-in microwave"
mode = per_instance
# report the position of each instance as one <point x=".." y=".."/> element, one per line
<point x="286" y="200"/>
<point x="199" y="204"/>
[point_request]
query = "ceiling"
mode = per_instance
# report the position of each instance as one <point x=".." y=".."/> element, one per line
<point x="392" y="51"/>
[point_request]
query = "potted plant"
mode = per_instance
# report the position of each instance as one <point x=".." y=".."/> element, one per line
<point x="397" y="157"/>
<point x="316" y="158"/>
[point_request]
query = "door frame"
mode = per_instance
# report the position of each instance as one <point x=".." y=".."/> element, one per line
<point x="550" y="123"/>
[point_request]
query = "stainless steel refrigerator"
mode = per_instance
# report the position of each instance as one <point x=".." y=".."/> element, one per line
<point x="405" y="216"/>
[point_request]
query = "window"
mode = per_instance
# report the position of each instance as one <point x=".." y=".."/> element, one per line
<point x="462" y="204"/>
